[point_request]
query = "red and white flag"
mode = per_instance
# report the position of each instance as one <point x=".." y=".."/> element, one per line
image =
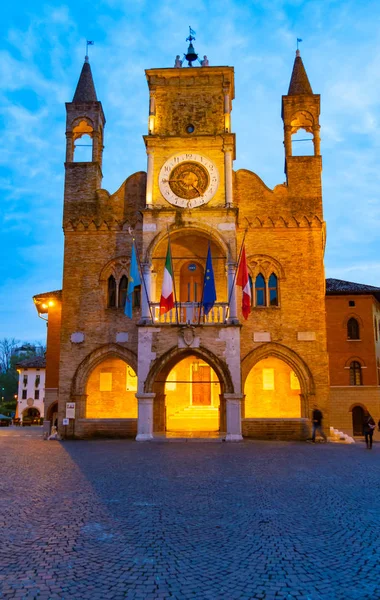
<point x="167" y="293"/>
<point x="242" y="279"/>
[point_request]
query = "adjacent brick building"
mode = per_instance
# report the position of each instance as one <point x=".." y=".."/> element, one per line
<point x="258" y="377"/>
<point x="353" y="342"/>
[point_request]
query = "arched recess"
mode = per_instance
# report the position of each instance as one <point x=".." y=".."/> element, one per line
<point x="78" y="386"/>
<point x="157" y="376"/>
<point x="189" y="244"/>
<point x="292" y="359"/>
<point x="191" y="228"/>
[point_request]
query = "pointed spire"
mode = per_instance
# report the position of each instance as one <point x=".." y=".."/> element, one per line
<point x="85" y="91"/>
<point x="299" y="83"/>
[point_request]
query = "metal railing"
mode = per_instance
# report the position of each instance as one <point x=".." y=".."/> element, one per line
<point x="191" y="313"/>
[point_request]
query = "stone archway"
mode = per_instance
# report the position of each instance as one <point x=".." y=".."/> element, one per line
<point x="279" y="390"/>
<point x="291" y="358"/>
<point x="91" y="362"/>
<point x="154" y="387"/>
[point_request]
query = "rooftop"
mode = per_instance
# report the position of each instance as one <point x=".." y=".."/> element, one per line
<point x="37" y="362"/>
<point x="339" y="286"/>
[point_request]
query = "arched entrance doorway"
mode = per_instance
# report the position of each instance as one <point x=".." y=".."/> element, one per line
<point x="357" y="420"/>
<point x="188" y="388"/>
<point x="52" y="414"/>
<point x="192" y="397"/>
<point x="272" y="390"/>
<point x="111" y="390"/>
<point x="31" y="416"/>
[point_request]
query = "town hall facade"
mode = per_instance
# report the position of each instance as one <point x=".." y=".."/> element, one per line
<point x="187" y="373"/>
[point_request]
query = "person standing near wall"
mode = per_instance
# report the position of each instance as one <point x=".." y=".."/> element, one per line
<point x="369" y="426"/>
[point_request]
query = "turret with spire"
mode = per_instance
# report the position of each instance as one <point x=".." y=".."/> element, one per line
<point x="300" y="110"/>
<point x="84" y="116"/>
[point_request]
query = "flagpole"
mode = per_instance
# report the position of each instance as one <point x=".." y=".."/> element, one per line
<point x="141" y="273"/>
<point x="236" y="271"/>
<point x="203" y="288"/>
<point x="174" y="289"/>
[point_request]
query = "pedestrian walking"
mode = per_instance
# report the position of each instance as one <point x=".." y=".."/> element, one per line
<point x="317" y="419"/>
<point x="369" y="426"/>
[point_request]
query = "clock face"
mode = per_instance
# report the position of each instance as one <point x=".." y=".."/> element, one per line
<point x="188" y="180"/>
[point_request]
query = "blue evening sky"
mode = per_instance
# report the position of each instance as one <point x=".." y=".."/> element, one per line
<point x="42" y="48"/>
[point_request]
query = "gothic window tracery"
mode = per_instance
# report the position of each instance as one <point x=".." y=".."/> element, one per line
<point x="111" y="292"/>
<point x="265" y="277"/>
<point x="260" y="295"/>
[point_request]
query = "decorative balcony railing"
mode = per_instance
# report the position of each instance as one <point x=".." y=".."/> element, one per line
<point x="191" y="313"/>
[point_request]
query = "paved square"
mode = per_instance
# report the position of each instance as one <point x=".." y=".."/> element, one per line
<point x="119" y="519"/>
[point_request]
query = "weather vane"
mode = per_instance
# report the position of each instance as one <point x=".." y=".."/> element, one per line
<point x="88" y="43"/>
<point x="298" y="41"/>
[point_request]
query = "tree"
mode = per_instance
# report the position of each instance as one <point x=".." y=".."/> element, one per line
<point x="8" y="346"/>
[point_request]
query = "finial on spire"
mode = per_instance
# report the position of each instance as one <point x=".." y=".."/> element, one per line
<point x="298" y="41"/>
<point x="88" y="43"/>
<point x="191" y="55"/>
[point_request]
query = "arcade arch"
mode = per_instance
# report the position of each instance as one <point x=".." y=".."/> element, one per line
<point x="189" y="386"/>
<point x="277" y="383"/>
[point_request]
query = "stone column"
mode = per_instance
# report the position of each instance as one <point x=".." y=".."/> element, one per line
<point x="227" y="110"/>
<point x="152" y="112"/>
<point x="145" y="416"/>
<point x="69" y="147"/>
<point x="228" y="176"/>
<point x="317" y="140"/>
<point x="288" y="140"/>
<point x="232" y="317"/>
<point x="146" y="293"/>
<point x="149" y="180"/>
<point x="233" y="413"/>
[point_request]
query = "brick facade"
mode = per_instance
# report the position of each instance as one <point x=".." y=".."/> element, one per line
<point x="284" y="235"/>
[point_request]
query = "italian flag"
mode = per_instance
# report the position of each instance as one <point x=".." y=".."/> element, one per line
<point x="243" y="280"/>
<point x="167" y="294"/>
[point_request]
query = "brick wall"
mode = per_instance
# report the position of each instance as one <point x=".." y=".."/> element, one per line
<point x="343" y="399"/>
<point x="276" y="429"/>
<point x="109" y="428"/>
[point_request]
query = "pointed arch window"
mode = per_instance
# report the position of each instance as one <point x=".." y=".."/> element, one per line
<point x="356" y="373"/>
<point x="273" y="290"/>
<point x="353" y="331"/>
<point x="111" y="295"/>
<point x="123" y="288"/>
<point x="260" y="291"/>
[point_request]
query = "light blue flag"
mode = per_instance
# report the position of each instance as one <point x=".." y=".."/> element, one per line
<point x="133" y="281"/>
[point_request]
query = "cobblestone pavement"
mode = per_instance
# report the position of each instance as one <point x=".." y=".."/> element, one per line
<point x="120" y="519"/>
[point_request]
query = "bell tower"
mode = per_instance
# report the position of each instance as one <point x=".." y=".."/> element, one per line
<point x="300" y="110"/>
<point x="84" y="117"/>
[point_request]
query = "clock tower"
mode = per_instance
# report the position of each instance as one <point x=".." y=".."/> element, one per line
<point x="190" y="146"/>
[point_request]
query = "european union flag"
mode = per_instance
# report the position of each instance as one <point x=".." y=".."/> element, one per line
<point x="209" y="291"/>
<point x="133" y="281"/>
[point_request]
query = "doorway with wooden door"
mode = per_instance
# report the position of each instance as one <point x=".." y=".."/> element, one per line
<point x="201" y="385"/>
<point x="191" y="286"/>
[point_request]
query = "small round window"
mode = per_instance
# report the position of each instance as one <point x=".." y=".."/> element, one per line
<point x="190" y="128"/>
